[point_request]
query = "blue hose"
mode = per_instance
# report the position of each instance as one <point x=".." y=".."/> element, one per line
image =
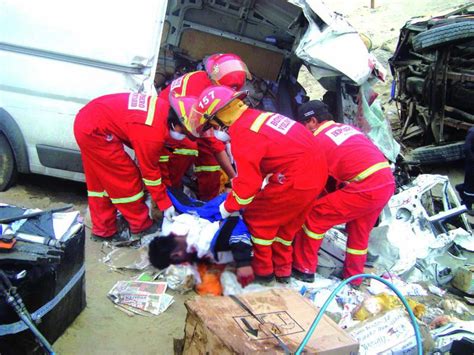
<point x="419" y="343"/>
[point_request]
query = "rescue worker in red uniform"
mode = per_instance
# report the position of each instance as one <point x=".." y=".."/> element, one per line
<point x="265" y="146"/>
<point x="368" y="185"/>
<point x="207" y="153"/>
<point x="114" y="181"/>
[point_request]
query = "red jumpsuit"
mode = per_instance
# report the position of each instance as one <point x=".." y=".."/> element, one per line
<point x="266" y="144"/>
<point x="352" y="158"/>
<point x="113" y="180"/>
<point x="207" y="169"/>
<point x="176" y="159"/>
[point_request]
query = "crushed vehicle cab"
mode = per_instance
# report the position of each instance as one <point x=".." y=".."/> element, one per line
<point x="433" y="68"/>
<point x="52" y="66"/>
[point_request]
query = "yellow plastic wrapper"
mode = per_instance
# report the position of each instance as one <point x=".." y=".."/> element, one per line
<point x="375" y="305"/>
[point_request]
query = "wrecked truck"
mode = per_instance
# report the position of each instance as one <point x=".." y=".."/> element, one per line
<point x="52" y="65"/>
<point x="433" y="68"/>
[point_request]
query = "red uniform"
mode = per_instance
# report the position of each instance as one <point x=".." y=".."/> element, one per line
<point x="266" y="144"/>
<point x="352" y="158"/>
<point x="207" y="169"/>
<point x="113" y="180"/>
<point x="176" y="159"/>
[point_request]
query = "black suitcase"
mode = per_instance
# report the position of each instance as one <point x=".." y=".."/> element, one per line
<point x="56" y="292"/>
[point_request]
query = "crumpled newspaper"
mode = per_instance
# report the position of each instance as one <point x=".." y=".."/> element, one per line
<point x="141" y="297"/>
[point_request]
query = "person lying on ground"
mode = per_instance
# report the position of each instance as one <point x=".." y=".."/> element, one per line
<point x="190" y="238"/>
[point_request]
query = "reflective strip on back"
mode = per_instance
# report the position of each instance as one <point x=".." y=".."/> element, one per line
<point x="151" y="111"/>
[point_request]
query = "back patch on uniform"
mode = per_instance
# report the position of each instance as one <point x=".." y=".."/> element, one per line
<point x="137" y="101"/>
<point x="340" y="134"/>
<point x="280" y="123"/>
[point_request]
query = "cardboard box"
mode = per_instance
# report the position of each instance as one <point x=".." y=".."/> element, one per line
<point x="219" y="325"/>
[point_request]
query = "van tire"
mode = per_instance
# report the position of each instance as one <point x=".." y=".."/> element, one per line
<point x="8" y="170"/>
<point x="438" y="154"/>
<point x="444" y="35"/>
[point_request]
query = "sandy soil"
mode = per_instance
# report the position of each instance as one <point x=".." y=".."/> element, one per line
<point x="103" y="329"/>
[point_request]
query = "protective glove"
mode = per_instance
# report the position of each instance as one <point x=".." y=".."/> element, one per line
<point x="245" y="275"/>
<point x="169" y="213"/>
<point x="223" y="211"/>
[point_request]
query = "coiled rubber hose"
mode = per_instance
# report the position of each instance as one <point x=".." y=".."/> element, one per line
<point x="419" y="344"/>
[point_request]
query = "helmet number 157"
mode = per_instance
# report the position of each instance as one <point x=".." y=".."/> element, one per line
<point x="206" y="99"/>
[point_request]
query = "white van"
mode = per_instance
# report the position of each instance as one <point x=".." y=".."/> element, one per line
<point x="55" y="56"/>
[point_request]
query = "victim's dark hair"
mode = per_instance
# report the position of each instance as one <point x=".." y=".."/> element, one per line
<point x="159" y="251"/>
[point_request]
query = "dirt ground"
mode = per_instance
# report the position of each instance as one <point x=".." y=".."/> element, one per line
<point x="103" y="329"/>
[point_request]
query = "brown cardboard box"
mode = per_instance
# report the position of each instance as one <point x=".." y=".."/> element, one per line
<point x="218" y="325"/>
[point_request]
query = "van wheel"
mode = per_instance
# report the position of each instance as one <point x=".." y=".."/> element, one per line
<point x="8" y="171"/>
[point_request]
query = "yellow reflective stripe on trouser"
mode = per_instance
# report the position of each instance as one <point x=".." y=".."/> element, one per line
<point x="128" y="199"/>
<point x="242" y="201"/>
<point x="164" y="158"/>
<point x="312" y="234"/>
<point x="367" y="172"/>
<point x="264" y="242"/>
<point x="152" y="182"/>
<point x="283" y="241"/>
<point x="151" y="111"/>
<point x="268" y="242"/>
<point x="207" y="168"/>
<point x="183" y="151"/>
<point x="259" y="121"/>
<point x="356" y="251"/>
<point x="323" y="126"/>
<point x="97" y="193"/>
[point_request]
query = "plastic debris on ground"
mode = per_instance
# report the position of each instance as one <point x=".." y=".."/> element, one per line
<point x="141" y="297"/>
<point x="127" y="258"/>
<point x="180" y="278"/>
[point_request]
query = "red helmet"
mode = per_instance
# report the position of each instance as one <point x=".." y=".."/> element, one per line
<point x="227" y="69"/>
<point x="182" y="106"/>
<point x="210" y="102"/>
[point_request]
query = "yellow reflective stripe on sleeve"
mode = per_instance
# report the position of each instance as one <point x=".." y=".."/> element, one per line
<point x="255" y="127"/>
<point x="211" y="106"/>
<point x="96" y="193"/>
<point x="242" y="201"/>
<point x="283" y="241"/>
<point x="323" y="126"/>
<point x="367" y="172"/>
<point x="164" y="158"/>
<point x="264" y="242"/>
<point x="183" y="151"/>
<point x="151" y="111"/>
<point x="152" y="182"/>
<point x="312" y="234"/>
<point x="207" y="168"/>
<point x="128" y="199"/>
<point x="356" y="251"/>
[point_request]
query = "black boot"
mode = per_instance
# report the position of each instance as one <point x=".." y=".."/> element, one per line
<point x="302" y="276"/>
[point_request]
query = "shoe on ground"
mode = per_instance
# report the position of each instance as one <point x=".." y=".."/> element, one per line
<point x="264" y="279"/>
<point x="152" y="230"/>
<point x="302" y="276"/>
<point x="283" y="279"/>
<point x="117" y="237"/>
